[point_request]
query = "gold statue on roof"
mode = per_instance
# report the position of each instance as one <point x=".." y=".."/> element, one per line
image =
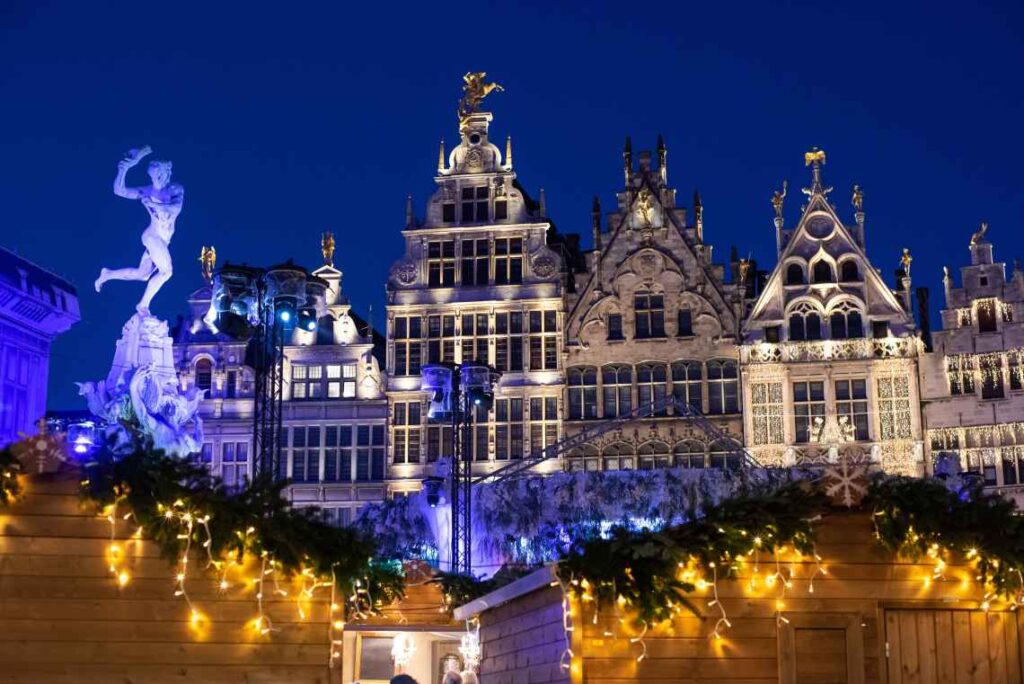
<point x="327" y="247"/>
<point x="905" y="261"/>
<point x="858" y="198"/>
<point x="475" y="90"/>
<point x="208" y="259"/>
<point x="815" y="155"/>
<point x="980" y="234"/>
<point x="778" y="196"/>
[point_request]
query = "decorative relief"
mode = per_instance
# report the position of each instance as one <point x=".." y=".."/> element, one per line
<point x="405" y="272"/>
<point x="544" y="265"/>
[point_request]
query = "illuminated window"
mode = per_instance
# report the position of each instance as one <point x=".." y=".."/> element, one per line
<point x="475" y="204"/>
<point x="766" y="405"/>
<point x="852" y="402"/>
<point x="808" y="409"/>
<point x="341" y="380"/>
<point x="508" y="350"/>
<point x="475" y="337"/>
<point x="406" y="424"/>
<point x="508" y="429"/>
<point x="894" y="407"/>
<point x="441" y="263"/>
<point x="687" y="381"/>
<point x="307" y="382"/>
<point x="440" y="339"/>
<point x="991" y="367"/>
<point x="649" y="310"/>
<point x="543" y="340"/>
<point x="650" y="381"/>
<point x="234" y="464"/>
<point x="338" y="453"/>
<point x="204" y="374"/>
<point x="723" y="387"/>
<point x="543" y="423"/>
<point x="508" y="261"/>
<point x="408" y="331"/>
<point x="960" y="373"/>
<point x="618" y="456"/>
<point x="617" y="385"/>
<point x="476" y="262"/>
<point x="582" y="393"/>
<point x="986" y="309"/>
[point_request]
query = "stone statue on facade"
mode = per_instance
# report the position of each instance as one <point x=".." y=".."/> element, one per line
<point x="141" y="394"/>
<point x="163" y="200"/>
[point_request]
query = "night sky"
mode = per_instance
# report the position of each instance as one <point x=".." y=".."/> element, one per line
<point x="283" y="121"/>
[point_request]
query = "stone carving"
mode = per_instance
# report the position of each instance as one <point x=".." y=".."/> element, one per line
<point x="648" y="264"/>
<point x="405" y="272"/>
<point x="544" y="265"/>
<point x="163" y="200"/>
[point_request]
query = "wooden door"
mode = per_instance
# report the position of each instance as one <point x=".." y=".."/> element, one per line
<point x="952" y="647"/>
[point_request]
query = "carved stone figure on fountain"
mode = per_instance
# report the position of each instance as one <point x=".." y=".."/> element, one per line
<point x="142" y="388"/>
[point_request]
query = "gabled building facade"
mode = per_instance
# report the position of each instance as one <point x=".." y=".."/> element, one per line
<point x="973" y="384"/>
<point x="829" y="352"/>
<point x="652" y="317"/>
<point x="481" y="280"/>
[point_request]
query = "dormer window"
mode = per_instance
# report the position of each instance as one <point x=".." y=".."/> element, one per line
<point x="848" y="272"/>
<point x="448" y="212"/>
<point x="804" y="324"/>
<point x="794" y="275"/>
<point x="475" y="204"/>
<point x="822" y="273"/>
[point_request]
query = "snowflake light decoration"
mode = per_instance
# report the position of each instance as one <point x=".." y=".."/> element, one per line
<point x="846" y="481"/>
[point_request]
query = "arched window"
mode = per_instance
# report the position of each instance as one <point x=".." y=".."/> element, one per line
<point x="582" y="382"/>
<point x="846" y="322"/>
<point x="653" y="454"/>
<point x="204" y="374"/>
<point x="325" y="330"/>
<point x="618" y="456"/>
<point x="649" y="312"/>
<point x="687" y="378"/>
<point x="848" y="272"/>
<point x="618" y="390"/>
<point x="650" y="380"/>
<point x="794" y="274"/>
<point x="720" y="456"/>
<point x="804" y="323"/>
<point x="822" y="272"/>
<point x="689" y="454"/>
<point x="583" y="457"/>
<point x="723" y="387"/>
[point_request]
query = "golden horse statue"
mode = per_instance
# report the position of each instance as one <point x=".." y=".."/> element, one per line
<point x="475" y="89"/>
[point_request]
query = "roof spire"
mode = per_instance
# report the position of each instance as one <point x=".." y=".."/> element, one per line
<point x="627" y="160"/>
<point x="662" y="155"/>
<point x="815" y="159"/>
<point x="543" y="204"/>
<point x="410" y="219"/>
<point x="327" y="247"/>
<point x="440" y="158"/>
<point x="698" y="216"/>
<point x="508" y="153"/>
<point x="595" y="215"/>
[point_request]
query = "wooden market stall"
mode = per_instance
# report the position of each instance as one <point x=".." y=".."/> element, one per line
<point x="65" y="618"/>
<point x="873" y="618"/>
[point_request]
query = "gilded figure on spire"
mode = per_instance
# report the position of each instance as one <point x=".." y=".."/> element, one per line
<point x="858" y="199"/>
<point x="327" y="248"/>
<point x="778" y="197"/>
<point x="475" y="90"/>
<point x="905" y="261"/>
<point x="979" y="236"/>
<point x="208" y="260"/>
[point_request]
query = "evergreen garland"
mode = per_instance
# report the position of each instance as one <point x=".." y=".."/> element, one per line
<point x="10" y="482"/>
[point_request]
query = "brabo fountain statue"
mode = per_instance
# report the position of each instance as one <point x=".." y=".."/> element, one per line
<point x="142" y="385"/>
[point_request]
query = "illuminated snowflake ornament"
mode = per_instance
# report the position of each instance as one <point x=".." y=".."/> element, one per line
<point x="41" y="453"/>
<point x="846" y="481"/>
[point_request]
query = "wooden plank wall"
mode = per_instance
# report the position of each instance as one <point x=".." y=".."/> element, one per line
<point x="523" y="640"/>
<point x="862" y="581"/>
<point x="64" y="619"/>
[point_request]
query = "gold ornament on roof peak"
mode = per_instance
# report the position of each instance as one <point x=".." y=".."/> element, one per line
<point x="778" y="197"/>
<point x="208" y="260"/>
<point x="475" y="90"/>
<point x="905" y="261"/>
<point x="814" y="156"/>
<point x="858" y="198"/>
<point x="327" y="247"/>
<point x="979" y="236"/>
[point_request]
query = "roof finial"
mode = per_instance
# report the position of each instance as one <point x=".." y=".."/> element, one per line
<point x="327" y="247"/>
<point x="208" y="259"/>
<point x="662" y="157"/>
<point x="815" y="158"/>
<point x="627" y="160"/>
<point x="979" y="236"/>
<point x="440" y="158"/>
<point x="508" y="153"/>
<point x="410" y="219"/>
<point x="543" y="204"/>
<point x="475" y="91"/>
<point x="698" y="216"/>
<point x="595" y="216"/>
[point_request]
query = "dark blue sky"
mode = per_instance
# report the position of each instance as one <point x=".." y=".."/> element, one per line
<point x="288" y="119"/>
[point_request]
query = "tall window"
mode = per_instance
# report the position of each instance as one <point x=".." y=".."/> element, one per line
<point x="543" y="340"/>
<point x="439" y="442"/>
<point x="649" y="310"/>
<point x="480" y="419"/>
<point x="474" y="204"/>
<point x="307" y="381"/>
<point x="306" y="454"/>
<point x="617" y="382"/>
<point x="406" y="422"/>
<point x="960" y="372"/>
<point x="650" y="380"/>
<point x="684" y="323"/>
<point x="804" y="323"/>
<point x="766" y="404"/>
<point x="440" y="339"/>
<point x="986" y="309"/>
<point x="894" y="407"/>
<point x="441" y="263"/>
<point x="338" y="453"/>
<point x="723" y="387"/>
<point x="852" y="402"/>
<point x="231" y="385"/>
<point x="543" y="423"/>
<point x="508" y="261"/>
<point x="204" y="374"/>
<point x="689" y="454"/>
<point x="582" y="393"/>
<point x="653" y="454"/>
<point x="687" y="379"/>
<point x="991" y="377"/>
<point x="846" y="322"/>
<point x="369" y="452"/>
<point x="341" y="380"/>
<point x="1013" y="360"/>
<point x="808" y="408"/>
<point x="618" y="456"/>
<point x="474" y="338"/>
<point x="408" y="332"/>
<point x="615" y="327"/>
<point x="476" y="261"/>
<point x="234" y="464"/>
<point x="508" y="429"/>
<point x="508" y="341"/>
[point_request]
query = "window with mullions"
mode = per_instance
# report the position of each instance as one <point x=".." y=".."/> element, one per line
<point x="475" y="203"/>
<point x="543" y="423"/>
<point x="441" y="263"/>
<point x="406" y="422"/>
<point x="306" y="454"/>
<point x="338" y="453"/>
<point x="508" y="261"/>
<point x="852" y="402"/>
<point x="766" y="413"/>
<point x="508" y="349"/>
<point x="439" y="442"/>
<point x="723" y="387"/>
<point x="582" y="393"/>
<point x="440" y="339"/>
<point x="234" y="464"/>
<point x="341" y="380"/>
<point x="687" y="380"/>
<point x="804" y="324"/>
<point x="846" y="322"/>
<point x="991" y="377"/>
<point x="650" y="382"/>
<point x="480" y="451"/>
<point x="649" y="312"/>
<point x="476" y="262"/>
<point x="474" y="338"/>
<point x="689" y="454"/>
<point x="508" y="429"/>
<point x="369" y="452"/>
<point x="408" y="332"/>
<point x="894" y="415"/>
<point x="306" y="381"/>
<point x="808" y="406"/>
<point x="653" y="454"/>
<point x="617" y="383"/>
<point x="960" y="373"/>
<point x="543" y="340"/>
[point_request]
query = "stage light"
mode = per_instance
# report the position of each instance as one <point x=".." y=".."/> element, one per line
<point x="284" y="309"/>
<point x="233" y="325"/>
<point x="307" y="318"/>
